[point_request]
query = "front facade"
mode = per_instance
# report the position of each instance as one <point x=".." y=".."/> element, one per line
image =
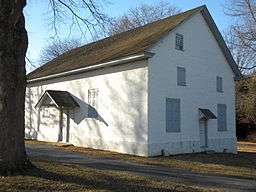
<point x="180" y="98"/>
<point x="203" y="62"/>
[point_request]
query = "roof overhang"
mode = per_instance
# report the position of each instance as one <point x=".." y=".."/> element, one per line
<point x="222" y="44"/>
<point x="142" y="56"/>
<point x="206" y="114"/>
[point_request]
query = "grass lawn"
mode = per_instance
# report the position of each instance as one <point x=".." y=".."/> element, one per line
<point x="241" y="165"/>
<point x="64" y="177"/>
<point x="51" y="176"/>
<point x="247" y="147"/>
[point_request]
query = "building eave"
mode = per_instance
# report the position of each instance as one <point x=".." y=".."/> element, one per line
<point x="132" y="58"/>
<point x="223" y="46"/>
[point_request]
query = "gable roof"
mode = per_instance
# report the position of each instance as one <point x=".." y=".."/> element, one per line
<point x="129" y="43"/>
<point x="60" y="99"/>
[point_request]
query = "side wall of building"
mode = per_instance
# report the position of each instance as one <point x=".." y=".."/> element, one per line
<point x="121" y="124"/>
<point x="203" y="61"/>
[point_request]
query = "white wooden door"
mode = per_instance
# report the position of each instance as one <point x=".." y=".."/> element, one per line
<point x="203" y="134"/>
<point x="64" y="132"/>
<point x="66" y="127"/>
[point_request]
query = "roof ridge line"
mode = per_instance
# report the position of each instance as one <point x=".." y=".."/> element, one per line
<point x="110" y="41"/>
<point x="118" y="34"/>
<point x="165" y="18"/>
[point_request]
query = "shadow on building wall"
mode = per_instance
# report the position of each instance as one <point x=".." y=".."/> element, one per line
<point x="126" y="111"/>
<point x="37" y="118"/>
<point x="85" y="111"/>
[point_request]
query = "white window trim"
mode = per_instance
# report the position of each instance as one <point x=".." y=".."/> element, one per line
<point x="93" y="97"/>
<point x="182" y="83"/>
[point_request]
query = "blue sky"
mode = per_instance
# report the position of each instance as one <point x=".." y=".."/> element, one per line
<point x="39" y="33"/>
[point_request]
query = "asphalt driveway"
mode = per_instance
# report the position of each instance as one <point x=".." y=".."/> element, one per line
<point x="227" y="183"/>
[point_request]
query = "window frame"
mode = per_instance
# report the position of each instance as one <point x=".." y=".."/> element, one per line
<point x="170" y="115"/>
<point x="222" y="111"/>
<point x="179" y="42"/>
<point x="219" y="84"/>
<point x="93" y="97"/>
<point x="181" y="76"/>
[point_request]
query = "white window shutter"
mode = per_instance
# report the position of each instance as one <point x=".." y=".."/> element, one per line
<point x="93" y="103"/>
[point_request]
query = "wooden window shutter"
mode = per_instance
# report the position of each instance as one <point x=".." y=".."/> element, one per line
<point x="181" y="76"/>
<point x="173" y="115"/>
<point x="222" y="117"/>
<point x="179" y="42"/>
<point x="219" y="84"/>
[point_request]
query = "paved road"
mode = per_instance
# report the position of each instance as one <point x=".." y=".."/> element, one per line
<point x="177" y="175"/>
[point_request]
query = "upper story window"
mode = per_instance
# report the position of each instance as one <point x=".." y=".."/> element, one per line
<point x="219" y="84"/>
<point x="181" y="76"/>
<point x="93" y="95"/>
<point x="179" y="42"/>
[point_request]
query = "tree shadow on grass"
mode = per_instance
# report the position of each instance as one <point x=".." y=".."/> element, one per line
<point x="242" y="159"/>
<point x="97" y="181"/>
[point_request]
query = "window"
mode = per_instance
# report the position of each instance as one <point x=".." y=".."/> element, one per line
<point x="46" y="112"/>
<point x="219" y="84"/>
<point x="181" y="76"/>
<point x="93" y="97"/>
<point x="222" y="117"/>
<point x="179" y="42"/>
<point x="93" y="103"/>
<point x="172" y="115"/>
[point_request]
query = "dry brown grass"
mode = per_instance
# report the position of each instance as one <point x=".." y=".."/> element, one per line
<point x="241" y="165"/>
<point x="64" y="177"/>
<point x="248" y="147"/>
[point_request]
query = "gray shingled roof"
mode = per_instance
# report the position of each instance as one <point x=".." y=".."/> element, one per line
<point x="135" y="41"/>
<point x="62" y="99"/>
<point x="207" y="114"/>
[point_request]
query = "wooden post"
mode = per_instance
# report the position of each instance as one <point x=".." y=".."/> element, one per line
<point x="60" y="138"/>
<point x="206" y="133"/>
<point x="68" y="126"/>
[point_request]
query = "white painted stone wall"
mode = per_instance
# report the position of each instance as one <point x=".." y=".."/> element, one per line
<point x="203" y="61"/>
<point x="132" y="99"/>
<point x="122" y="108"/>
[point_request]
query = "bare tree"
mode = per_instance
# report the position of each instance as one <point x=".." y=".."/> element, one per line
<point x="56" y="48"/>
<point x="246" y="98"/>
<point x="242" y="55"/>
<point x="13" y="47"/>
<point x="141" y="15"/>
<point x="241" y="36"/>
<point x="86" y="15"/>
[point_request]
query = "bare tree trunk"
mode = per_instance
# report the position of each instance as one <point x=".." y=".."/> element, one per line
<point x="13" y="47"/>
